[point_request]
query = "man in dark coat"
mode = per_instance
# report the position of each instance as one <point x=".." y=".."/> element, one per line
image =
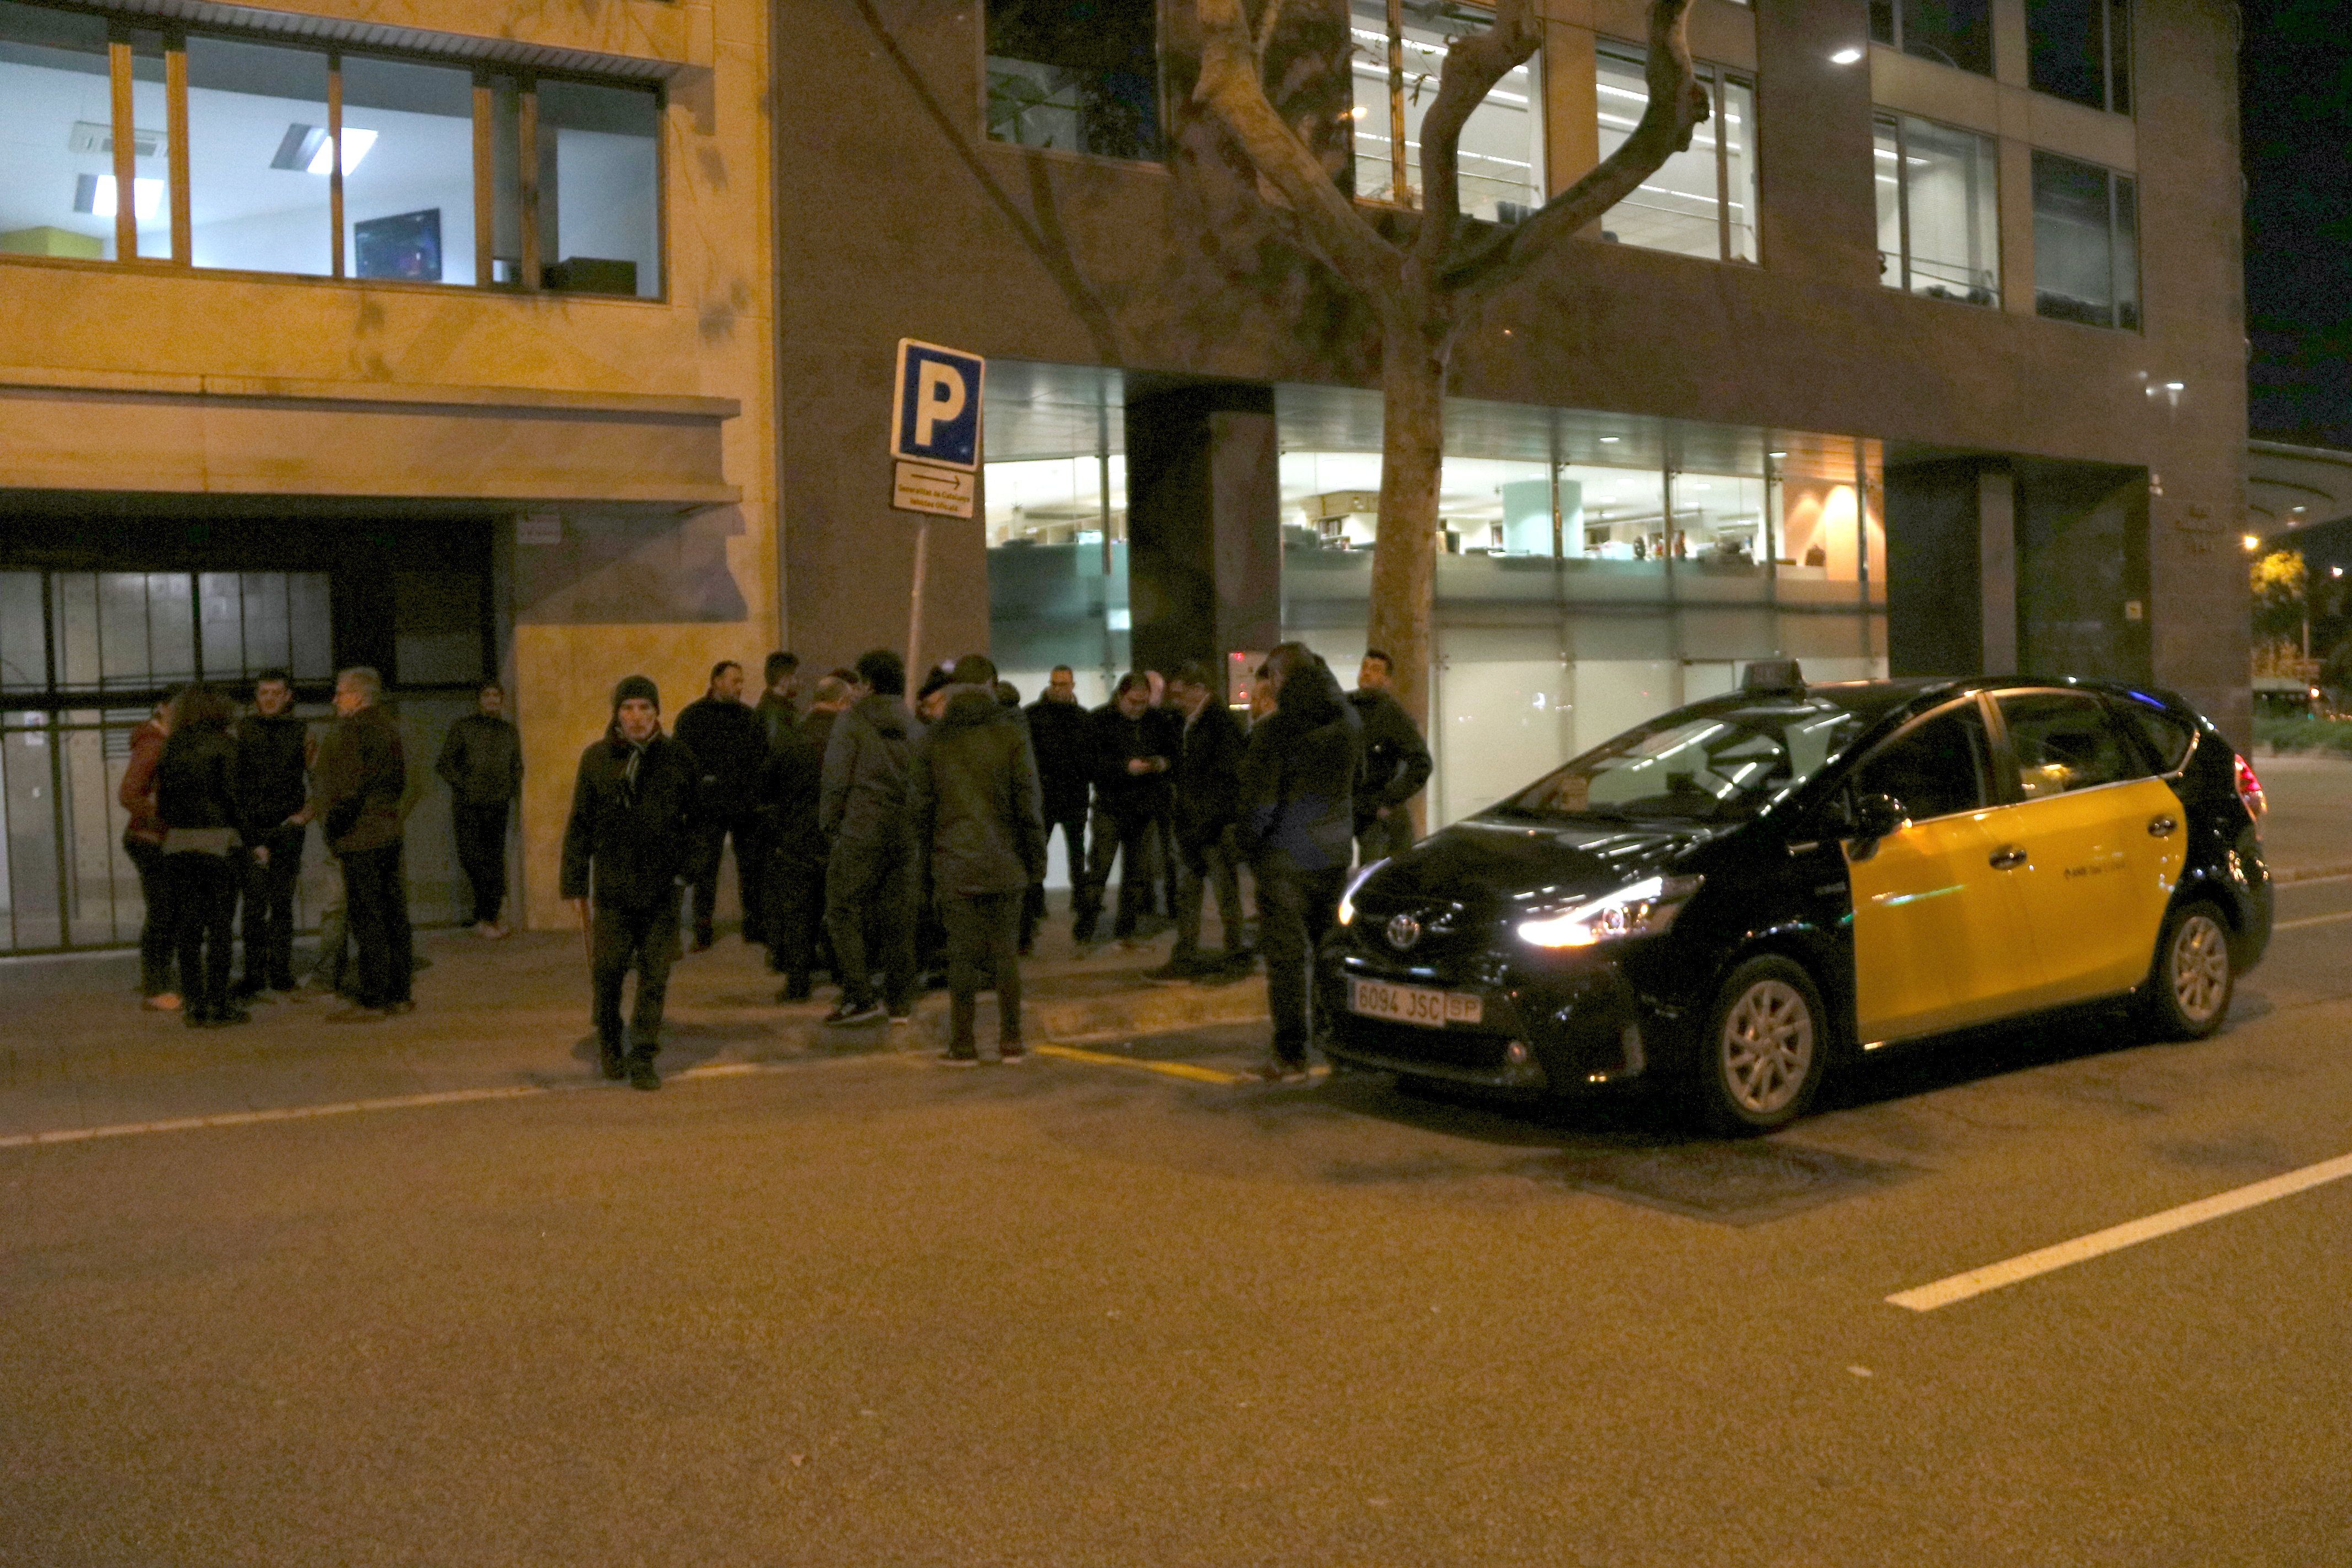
<point x="1207" y="792"/>
<point x="356" y="795"/>
<point x="481" y="762"/>
<point x="626" y="850"/>
<point x="869" y="877"/>
<point x="1396" y="764"/>
<point x="1133" y="752"/>
<point x="971" y="796"/>
<point x="779" y="704"/>
<point x="273" y="760"/>
<point x="730" y="744"/>
<point x="1297" y="820"/>
<point x="1062" y="738"/>
<point x="792" y="787"/>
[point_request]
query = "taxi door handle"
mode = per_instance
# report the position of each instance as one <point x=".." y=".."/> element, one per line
<point x="2008" y="859"/>
<point x="2162" y="827"/>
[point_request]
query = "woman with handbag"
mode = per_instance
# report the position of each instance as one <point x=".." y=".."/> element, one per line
<point x="196" y="793"/>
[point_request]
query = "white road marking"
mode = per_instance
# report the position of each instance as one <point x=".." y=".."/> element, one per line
<point x="1995" y="1276"/>
<point x="2313" y="921"/>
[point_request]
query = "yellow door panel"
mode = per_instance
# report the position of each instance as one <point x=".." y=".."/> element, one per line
<point x="1939" y="939"/>
<point x="2095" y="881"/>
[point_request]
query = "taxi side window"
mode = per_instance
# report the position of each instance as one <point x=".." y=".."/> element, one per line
<point x="1936" y="768"/>
<point x="2067" y="740"/>
<point x="2168" y="736"/>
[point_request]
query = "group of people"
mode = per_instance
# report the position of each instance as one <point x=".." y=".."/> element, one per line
<point x="219" y="808"/>
<point x="875" y="840"/>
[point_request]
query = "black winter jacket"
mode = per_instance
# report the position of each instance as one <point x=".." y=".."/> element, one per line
<point x="791" y="786"/>
<point x="865" y="800"/>
<point x="1118" y="740"/>
<point x="1208" y="774"/>
<point x="272" y="756"/>
<point x="481" y="761"/>
<point x="363" y="772"/>
<point x="971" y="795"/>
<point x="1061" y="736"/>
<point x="628" y="846"/>
<point x="731" y="742"/>
<point x="1298" y="777"/>
<point x="195" y="783"/>
<point x="1396" y="758"/>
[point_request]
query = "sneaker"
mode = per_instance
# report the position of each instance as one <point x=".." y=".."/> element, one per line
<point x="799" y="991"/>
<point x="611" y="1062"/>
<point x="163" y="1002"/>
<point x="1012" y="1053"/>
<point x="642" y="1074"/>
<point x="965" y="1058"/>
<point x="855" y="1013"/>
<point x="485" y="930"/>
<point x="1280" y="1071"/>
<point x="906" y="1017"/>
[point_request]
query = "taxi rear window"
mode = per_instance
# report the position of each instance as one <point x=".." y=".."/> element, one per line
<point x="2168" y="734"/>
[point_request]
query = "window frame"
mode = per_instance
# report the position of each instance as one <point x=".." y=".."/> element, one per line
<point x="1717" y="77"/>
<point x="1894" y="41"/>
<point x="2111" y="68"/>
<point x="1404" y="172"/>
<point x="2011" y="779"/>
<point x="2116" y="274"/>
<point x="121" y="30"/>
<point x="1990" y="791"/>
<point x="1901" y="118"/>
<point x="1159" y="85"/>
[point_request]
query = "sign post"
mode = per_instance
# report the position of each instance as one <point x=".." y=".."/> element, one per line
<point x="934" y="450"/>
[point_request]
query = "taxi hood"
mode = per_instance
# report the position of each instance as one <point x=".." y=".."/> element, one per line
<point x="1488" y="861"/>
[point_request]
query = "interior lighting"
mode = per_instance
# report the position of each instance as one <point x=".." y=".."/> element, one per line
<point x="2251" y="541"/>
<point x="1846" y="56"/>
<point x="94" y="195"/>
<point x="310" y="148"/>
<point x="1609" y="440"/>
<point x="2175" y="387"/>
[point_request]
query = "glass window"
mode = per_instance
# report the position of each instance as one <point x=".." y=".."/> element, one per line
<point x="2081" y="50"/>
<point x="1935" y="768"/>
<point x="2168" y="736"/>
<point x="2086" y="244"/>
<point x="56" y="137"/>
<point x="1702" y="200"/>
<point x="1717" y="762"/>
<point x="408" y="195"/>
<point x="259" y="158"/>
<point x="1952" y="32"/>
<point x="599" y="189"/>
<point x="1501" y="164"/>
<point x="1939" y="210"/>
<point x="2066" y="741"/>
<point x="1079" y="75"/>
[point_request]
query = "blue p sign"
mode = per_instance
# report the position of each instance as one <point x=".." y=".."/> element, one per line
<point x="935" y="413"/>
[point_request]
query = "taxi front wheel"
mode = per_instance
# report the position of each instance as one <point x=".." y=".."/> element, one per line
<point x="1765" y="1046"/>
<point x="2187" y="992"/>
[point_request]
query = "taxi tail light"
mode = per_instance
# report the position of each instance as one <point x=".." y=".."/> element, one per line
<point x="2250" y="790"/>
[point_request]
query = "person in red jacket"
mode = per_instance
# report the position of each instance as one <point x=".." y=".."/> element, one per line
<point x="142" y="840"/>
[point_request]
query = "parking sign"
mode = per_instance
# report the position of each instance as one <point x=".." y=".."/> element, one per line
<point x="935" y="409"/>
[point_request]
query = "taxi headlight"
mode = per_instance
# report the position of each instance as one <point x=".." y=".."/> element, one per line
<point x="1645" y="909"/>
<point x="1348" y="898"/>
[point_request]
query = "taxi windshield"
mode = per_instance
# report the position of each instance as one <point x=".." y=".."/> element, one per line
<point x="1718" y="761"/>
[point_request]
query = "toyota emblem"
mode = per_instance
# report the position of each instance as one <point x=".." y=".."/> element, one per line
<point x="1404" y="931"/>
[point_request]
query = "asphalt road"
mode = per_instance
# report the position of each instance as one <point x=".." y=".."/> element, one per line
<point x="870" y="1311"/>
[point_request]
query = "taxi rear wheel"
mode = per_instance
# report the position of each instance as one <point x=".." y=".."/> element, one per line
<point x="2189" y="985"/>
<point x="1766" y="1047"/>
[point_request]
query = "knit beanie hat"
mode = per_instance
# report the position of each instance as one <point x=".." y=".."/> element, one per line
<point x="636" y="686"/>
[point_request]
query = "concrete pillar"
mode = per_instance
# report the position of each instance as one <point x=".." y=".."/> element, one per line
<point x="1997" y="567"/>
<point x="1203" y="520"/>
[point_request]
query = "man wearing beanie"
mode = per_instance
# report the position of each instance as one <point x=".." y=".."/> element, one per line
<point x="869" y="883"/>
<point x="972" y="794"/>
<point x="626" y="851"/>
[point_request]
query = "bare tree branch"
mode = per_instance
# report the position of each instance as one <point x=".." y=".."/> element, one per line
<point x="1267" y="21"/>
<point x="1474" y="64"/>
<point x="1678" y="105"/>
<point x="1232" y="85"/>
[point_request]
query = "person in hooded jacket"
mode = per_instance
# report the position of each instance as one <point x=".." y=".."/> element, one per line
<point x="1134" y="747"/>
<point x="1396" y="764"/>
<point x="869" y="877"/>
<point x="273" y="760"/>
<point x="790" y="787"/>
<point x="142" y="840"/>
<point x="1297" y="830"/>
<point x="195" y="795"/>
<point x="481" y="762"/>
<point x="627" y="847"/>
<point x="971" y="796"/>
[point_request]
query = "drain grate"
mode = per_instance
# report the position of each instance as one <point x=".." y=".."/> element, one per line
<point x="1728" y="1184"/>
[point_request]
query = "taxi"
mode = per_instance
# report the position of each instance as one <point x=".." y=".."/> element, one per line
<point x="1743" y="893"/>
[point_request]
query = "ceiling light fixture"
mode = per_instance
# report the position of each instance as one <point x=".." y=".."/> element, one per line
<point x="1846" y="56"/>
<point x="1609" y="440"/>
<point x="94" y="195"/>
<point x="310" y="148"/>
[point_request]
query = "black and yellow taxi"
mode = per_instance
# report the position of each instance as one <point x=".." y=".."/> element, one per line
<point x="1744" y="892"/>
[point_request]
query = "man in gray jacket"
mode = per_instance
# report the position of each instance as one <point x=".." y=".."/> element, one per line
<point x="971" y="796"/>
<point x="869" y="877"/>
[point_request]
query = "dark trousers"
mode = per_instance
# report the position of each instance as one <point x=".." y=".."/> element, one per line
<point x="710" y="840"/>
<point x="1200" y="866"/>
<point x="482" y="855"/>
<point x="1296" y="910"/>
<point x="266" y="922"/>
<point x="1127" y="839"/>
<point x="376" y="892"/>
<point x="1385" y="836"/>
<point x="793" y="888"/>
<point x="159" y="930"/>
<point x="620" y="940"/>
<point x="981" y="948"/>
<point x="204" y="906"/>
<point x="1073" y="824"/>
<point x="870" y="889"/>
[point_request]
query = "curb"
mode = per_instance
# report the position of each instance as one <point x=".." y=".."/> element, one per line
<point x="2311" y="873"/>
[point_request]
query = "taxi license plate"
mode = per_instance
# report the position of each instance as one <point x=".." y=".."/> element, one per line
<point x="1413" y="1004"/>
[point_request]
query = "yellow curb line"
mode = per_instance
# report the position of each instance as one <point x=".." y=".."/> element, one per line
<point x="1172" y="1069"/>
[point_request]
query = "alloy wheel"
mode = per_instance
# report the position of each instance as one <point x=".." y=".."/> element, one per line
<point x="1767" y="1047"/>
<point x="2200" y="968"/>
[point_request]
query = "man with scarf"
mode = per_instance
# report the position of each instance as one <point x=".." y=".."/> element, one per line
<point x="626" y="851"/>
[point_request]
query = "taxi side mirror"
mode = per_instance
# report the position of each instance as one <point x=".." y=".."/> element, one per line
<point x="1876" y="815"/>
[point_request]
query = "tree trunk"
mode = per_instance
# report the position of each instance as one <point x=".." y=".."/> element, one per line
<point x="1404" y="554"/>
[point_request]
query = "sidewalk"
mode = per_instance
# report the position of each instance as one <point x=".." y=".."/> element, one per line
<point x="79" y="1053"/>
